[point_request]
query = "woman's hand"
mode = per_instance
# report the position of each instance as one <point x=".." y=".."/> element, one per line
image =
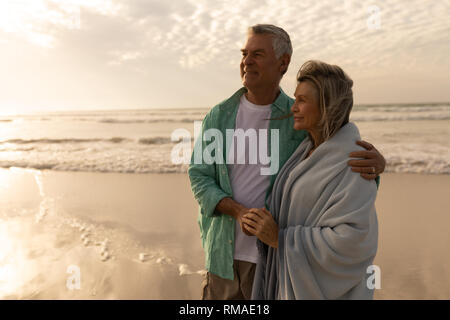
<point x="239" y="219"/>
<point x="259" y="222"/>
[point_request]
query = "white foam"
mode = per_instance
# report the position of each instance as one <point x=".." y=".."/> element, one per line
<point x="164" y="260"/>
<point x="149" y="151"/>
<point x="183" y="270"/>
<point x="143" y="257"/>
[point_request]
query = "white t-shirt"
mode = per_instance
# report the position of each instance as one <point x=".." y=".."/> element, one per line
<point x="244" y="167"/>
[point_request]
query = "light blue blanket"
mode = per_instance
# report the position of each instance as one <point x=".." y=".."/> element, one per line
<point x="328" y="229"/>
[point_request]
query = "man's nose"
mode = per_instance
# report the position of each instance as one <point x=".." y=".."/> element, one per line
<point x="247" y="60"/>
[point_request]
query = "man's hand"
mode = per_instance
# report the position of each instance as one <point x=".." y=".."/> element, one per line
<point x="373" y="163"/>
<point x="234" y="209"/>
<point x="259" y="222"/>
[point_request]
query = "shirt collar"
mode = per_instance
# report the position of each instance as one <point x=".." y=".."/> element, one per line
<point x="280" y="102"/>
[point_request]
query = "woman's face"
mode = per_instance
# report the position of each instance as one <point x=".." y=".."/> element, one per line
<point x="306" y="107"/>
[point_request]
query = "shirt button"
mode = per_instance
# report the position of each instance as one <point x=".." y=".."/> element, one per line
<point x="231" y="219"/>
<point x="230" y="241"/>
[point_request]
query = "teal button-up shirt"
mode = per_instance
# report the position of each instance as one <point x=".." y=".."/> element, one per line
<point x="210" y="182"/>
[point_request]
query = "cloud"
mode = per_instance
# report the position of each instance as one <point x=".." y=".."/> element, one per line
<point x="198" y="32"/>
<point x="202" y="32"/>
<point x="38" y="20"/>
<point x="186" y="43"/>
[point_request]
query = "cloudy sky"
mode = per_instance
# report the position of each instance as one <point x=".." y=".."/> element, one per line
<point x="111" y="54"/>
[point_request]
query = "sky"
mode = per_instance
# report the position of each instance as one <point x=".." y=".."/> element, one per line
<point x="136" y="54"/>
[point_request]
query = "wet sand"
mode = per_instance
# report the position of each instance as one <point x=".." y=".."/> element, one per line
<point x="131" y="236"/>
<point x="135" y="236"/>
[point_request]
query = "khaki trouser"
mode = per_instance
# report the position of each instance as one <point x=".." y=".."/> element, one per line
<point x="217" y="288"/>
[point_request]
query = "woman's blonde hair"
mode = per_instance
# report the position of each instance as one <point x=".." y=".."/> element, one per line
<point x="335" y="93"/>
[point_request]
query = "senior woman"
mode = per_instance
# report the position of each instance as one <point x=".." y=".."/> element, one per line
<point x="321" y="233"/>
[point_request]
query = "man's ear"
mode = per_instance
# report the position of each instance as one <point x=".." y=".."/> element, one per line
<point x="285" y="60"/>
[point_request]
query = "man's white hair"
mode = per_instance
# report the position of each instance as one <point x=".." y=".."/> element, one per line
<point x="281" y="42"/>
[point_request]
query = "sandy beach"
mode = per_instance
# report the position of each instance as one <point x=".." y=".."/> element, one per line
<point x="135" y="236"/>
<point x="413" y="240"/>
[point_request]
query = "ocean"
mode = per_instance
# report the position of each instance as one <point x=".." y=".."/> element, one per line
<point x="414" y="138"/>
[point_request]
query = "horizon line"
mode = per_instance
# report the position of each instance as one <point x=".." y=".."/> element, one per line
<point x="202" y="108"/>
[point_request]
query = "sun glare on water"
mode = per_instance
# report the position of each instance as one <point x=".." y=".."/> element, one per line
<point x="10" y="260"/>
<point x="8" y="249"/>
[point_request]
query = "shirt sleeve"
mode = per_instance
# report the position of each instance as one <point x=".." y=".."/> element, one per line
<point x="203" y="176"/>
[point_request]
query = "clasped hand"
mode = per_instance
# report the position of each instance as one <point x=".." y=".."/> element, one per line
<point x="260" y="223"/>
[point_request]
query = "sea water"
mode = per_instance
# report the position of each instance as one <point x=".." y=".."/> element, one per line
<point x="414" y="138"/>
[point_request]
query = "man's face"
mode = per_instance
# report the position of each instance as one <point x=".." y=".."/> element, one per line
<point x="259" y="66"/>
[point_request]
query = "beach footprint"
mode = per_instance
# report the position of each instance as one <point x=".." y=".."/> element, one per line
<point x="104" y="252"/>
<point x="85" y="238"/>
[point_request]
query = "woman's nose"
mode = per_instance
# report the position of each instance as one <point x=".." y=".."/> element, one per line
<point x="294" y="107"/>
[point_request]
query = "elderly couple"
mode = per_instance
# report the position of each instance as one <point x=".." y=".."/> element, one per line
<point x="310" y="230"/>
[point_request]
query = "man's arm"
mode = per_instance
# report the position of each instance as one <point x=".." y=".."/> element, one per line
<point x="234" y="209"/>
<point x="212" y="199"/>
<point x="230" y="207"/>
<point x="372" y="164"/>
<point x="202" y="176"/>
